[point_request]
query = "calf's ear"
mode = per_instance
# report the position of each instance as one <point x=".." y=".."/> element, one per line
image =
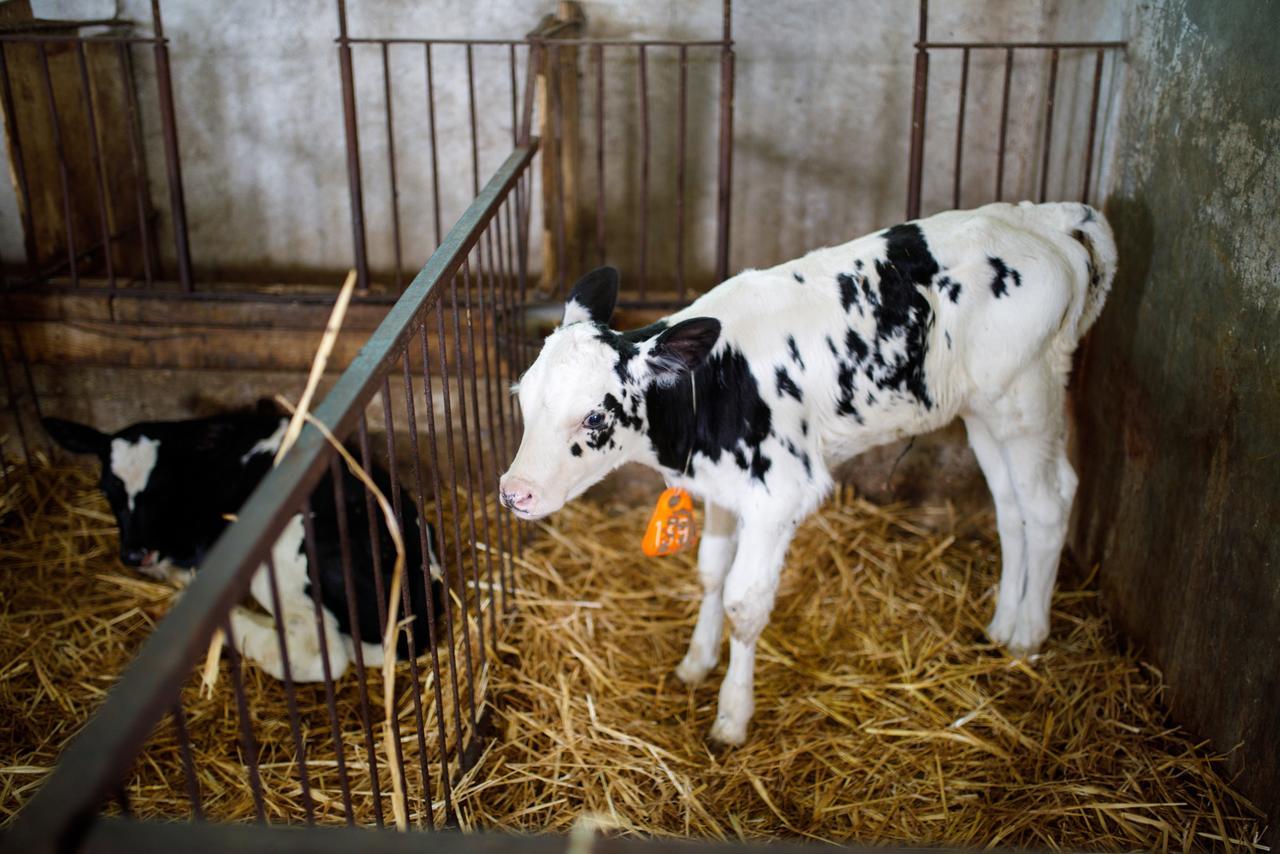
<point x="78" y="438"/>
<point x="593" y="298"/>
<point x="682" y="348"/>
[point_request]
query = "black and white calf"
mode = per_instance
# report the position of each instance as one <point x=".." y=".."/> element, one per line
<point x="171" y="485"/>
<point x="751" y="395"/>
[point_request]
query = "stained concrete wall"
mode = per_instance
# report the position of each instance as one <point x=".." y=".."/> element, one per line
<point x="1180" y="419"/>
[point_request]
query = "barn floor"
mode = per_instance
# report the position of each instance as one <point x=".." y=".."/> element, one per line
<point x="882" y="712"/>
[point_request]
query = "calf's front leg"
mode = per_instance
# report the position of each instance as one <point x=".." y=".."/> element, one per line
<point x="715" y="555"/>
<point x="748" y="600"/>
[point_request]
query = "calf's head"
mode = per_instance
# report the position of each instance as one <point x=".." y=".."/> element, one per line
<point x="170" y="484"/>
<point x="585" y="398"/>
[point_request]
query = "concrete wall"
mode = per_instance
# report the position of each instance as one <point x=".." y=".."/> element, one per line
<point x="823" y="110"/>
<point x="1180" y="492"/>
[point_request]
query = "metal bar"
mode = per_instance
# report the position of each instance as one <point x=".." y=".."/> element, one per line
<point x="1048" y="125"/>
<point x="371" y="515"/>
<point x="964" y="91"/>
<point x="62" y="165"/>
<point x="535" y="55"/>
<point x="495" y="400"/>
<point x="1011" y="45"/>
<point x="188" y="763"/>
<point x="471" y="111"/>
<point x="19" y="166"/>
<point x="172" y="157"/>
<point x="681" y="122"/>
<point x="637" y="42"/>
<point x="1004" y="124"/>
<point x="98" y="172"/>
<point x="391" y="168"/>
<point x="435" y="154"/>
<point x="1093" y="125"/>
<point x="429" y="42"/>
<point x="919" y="97"/>
<point x="317" y="607"/>
<point x="248" y="744"/>
<point x="357" y="649"/>
<point x="290" y="693"/>
<point x="515" y="128"/>
<point x="438" y="501"/>
<point x="725" y="180"/>
<point x="51" y="39"/>
<point x="480" y="455"/>
<point x="355" y="185"/>
<point x="598" y="51"/>
<point x="62" y="809"/>
<point x="644" y="170"/>
<point x="138" y="160"/>
<point x="556" y="106"/>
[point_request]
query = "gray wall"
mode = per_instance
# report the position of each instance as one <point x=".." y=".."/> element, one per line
<point x="1180" y="422"/>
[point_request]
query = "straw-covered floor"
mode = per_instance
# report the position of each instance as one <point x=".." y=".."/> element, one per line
<point x="882" y="713"/>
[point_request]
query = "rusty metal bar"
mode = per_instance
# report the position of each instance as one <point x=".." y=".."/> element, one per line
<point x="188" y="763"/>
<point x="248" y="744"/>
<point x="1093" y="125"/>
<point x="317" y="607"/>
<point x="52" y="104"/>
<point x="494" y="401"/>
<point x="480" y="455"/>
<point x="290" y="692"/>
<point x="1004" y="124"/>
<point x="643" y="263"/>
<point x="355" y="184"/>
<point x="919" y="97"/>
<point x="98" y="172"/>
<point x="964" y="91"/>
<point x="598" y="53"/>
<point x="725" y="194"/>
<point x="19" y="166"/>
<point x="1012" y="45"/>
<point x="435" y="154"/>
<point x="172" y="158"/>
<point x="353" y="617"/>
<point x="138" y="161"/>
<point x="555" y="157"/>
<point x="681" y="123"/>
<point x="1048" y="125"/>
<point x="471" y="112"/>
<point x="391" y="168"/>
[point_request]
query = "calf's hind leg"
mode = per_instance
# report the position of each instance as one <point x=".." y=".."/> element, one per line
<point x="715" y="555"/>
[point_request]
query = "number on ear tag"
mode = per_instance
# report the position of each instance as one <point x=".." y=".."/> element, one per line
<point x="672" y="527"/>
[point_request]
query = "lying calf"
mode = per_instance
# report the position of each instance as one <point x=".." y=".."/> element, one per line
<point x="171" y="485"/>
<point x="751" y="395"/>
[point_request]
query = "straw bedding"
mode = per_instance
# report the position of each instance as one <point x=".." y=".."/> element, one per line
<point x="882" y="713"/>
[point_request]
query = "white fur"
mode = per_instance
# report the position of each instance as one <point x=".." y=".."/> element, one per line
<point x="133" y="463"/>
<point x="1000" y="363"/>
<point x="269" y="445"/>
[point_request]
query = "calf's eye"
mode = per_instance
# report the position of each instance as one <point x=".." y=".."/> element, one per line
<point x="594" y="421"/>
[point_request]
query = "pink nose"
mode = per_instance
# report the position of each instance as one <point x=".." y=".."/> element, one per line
<point x="517" y="494"/>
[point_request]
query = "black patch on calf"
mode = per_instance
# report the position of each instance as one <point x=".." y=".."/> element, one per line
<point x="1092" y="264"/>
<point x="794" y="351"/>
<point x="575" y="449"/>
<point x="799" y="278"/>
<point x="848" y="290"/>
<point x="903" y="312"/>
<point x="949" y="288"/>
<point x="730" y="416"/>
<point x="786" y="385"/>
<point x="1003" y="275"/>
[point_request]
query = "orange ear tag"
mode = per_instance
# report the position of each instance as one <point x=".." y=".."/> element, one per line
<point x="672" y="527"/>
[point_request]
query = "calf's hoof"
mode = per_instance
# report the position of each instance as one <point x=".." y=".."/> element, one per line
<point x="728" y="732"/>
<point x="692" y="670"/>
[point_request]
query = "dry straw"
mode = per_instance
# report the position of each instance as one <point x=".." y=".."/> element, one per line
<point x="882" y="712"/>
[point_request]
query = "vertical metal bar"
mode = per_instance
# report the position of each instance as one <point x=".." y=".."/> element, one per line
<point x="1048" y="125"/>
<point x="920" y="92"/>
<point x="471" y="110"/>
<point x="122" y="801"/>
<point x="137" y="160"/>
<point x="62" y="164"/>
<point x="598" y="51"/>
<point x="1093" y="126"/>
<point x="1004" y="123"/>
<point x="19" y="166"/>
<point x="725" y="196"/>
<point x="356" y="186"/>
<point x="172" y="158"/>
<point x="353" y="617"/>
<point x="98" y="172"/>
<point x="644" y="171"/>
<point x="496" y="403"/>
<point x="467" y="444"/>
<point x="188" y="764"/>
<point x="457" y="529"/>
<point x="317" y="607"/>
<point x="248" y="744"/>
<point x="964" y="91"/>
<point x="290" y="693"/>
<point x="391" y="166"/>
<point x="515" y="130"/>
<point x="556" y="105"/>
<point x="477" y="292"/>
<point x="435" y="154"/>
<point x="425" y="546"/>
<point x="681" y="121"/>
<point x="438" y="499"/>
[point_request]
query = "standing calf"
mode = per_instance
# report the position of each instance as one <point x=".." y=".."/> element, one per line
<point x="750" y="396"/>
<point x="171" y="485"/>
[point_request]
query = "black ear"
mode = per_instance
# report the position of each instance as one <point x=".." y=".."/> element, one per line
<point x="683" y="347"/>
<point x="593" y="298"/>
<point x="79" y="438"/>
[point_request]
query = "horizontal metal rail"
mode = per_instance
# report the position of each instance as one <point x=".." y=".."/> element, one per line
<point x="928" y="45"/>
<point x="64" y="809"/>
